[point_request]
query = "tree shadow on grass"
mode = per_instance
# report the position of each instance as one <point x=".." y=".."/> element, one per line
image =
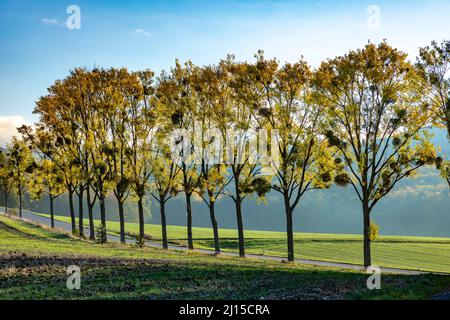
<point x="23" y="277"/>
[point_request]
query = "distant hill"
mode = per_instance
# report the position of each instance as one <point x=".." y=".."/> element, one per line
<point x="415" y="207"/>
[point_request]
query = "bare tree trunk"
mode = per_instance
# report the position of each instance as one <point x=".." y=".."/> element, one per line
<point x="162" y="209"/>
<point x="240" y="225"/>
<point x="72" y="211"/>
<point x="20" y="204"/>
<point x="367" y="251"/>
<point x="52" y="214"/>
<point x="289" y="228"/>
<point x="91" y="214"/>
<point x="101" y="198"/>
<point x="103" y="216"/>
<point x="212" y="215"/>
<point x="80" y="211"/>
<point x="141" y="219"/>
<point x="189" y="221"/>
<point x="6" y="200"/>
<point x="121" y="220"/>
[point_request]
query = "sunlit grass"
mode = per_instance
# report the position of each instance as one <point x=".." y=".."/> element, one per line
<point x="416" y="253"/>
<point x="33" y="263"/>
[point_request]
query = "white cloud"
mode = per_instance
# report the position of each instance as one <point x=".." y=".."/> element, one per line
<point x="8" y="127"/>
<point x="143" y="32"/>
<point x="50" y="21"/>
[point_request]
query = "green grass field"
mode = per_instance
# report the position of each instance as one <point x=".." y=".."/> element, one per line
<point x="33" y="263"/>
<point x="416" y="253"/>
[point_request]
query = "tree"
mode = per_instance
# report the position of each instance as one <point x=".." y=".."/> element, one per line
<point x="5" y="176"/>
<point x="282" y="100"/>
<point x="211" y="87"/>
<point x="65" y="114"/>
<point x="164" y="182"/>
<point x="235" y="122"/>
<point x="140" y="124"/>
<point x="123" y="87"/>
<point x="55" y="173"/>
<point x="47" y="179"/>
<point x="22" y="166"/>
<point x="377" y="118"/>
<point x="77" y="107"/>
<point x="100" y="149"/>
<point x="434" y="65"/>
<point x="177" y="100"/>
<point x="444" y="168"/>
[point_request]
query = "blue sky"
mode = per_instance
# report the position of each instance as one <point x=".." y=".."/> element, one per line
<point x="36" y="47"/>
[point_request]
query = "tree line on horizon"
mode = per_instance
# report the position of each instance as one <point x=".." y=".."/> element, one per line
<point x="359" y="120"/>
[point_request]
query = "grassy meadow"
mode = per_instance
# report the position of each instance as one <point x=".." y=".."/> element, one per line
<point x="33" y="263"/>
<point x="415" y="253"/>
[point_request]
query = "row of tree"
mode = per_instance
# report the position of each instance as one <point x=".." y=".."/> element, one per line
<point x="358" y="120"/>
